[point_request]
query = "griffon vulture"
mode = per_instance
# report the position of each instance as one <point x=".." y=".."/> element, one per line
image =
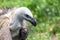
<point x="17" y="18"/>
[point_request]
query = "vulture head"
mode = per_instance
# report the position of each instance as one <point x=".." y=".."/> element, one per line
<point x="24" y="13"/>
<point x="19" y="15"/>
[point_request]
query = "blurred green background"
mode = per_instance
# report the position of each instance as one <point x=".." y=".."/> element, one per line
<point x="46" y="13"/>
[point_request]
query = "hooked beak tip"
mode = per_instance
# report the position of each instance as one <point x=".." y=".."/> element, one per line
<point x="33" y="22"/>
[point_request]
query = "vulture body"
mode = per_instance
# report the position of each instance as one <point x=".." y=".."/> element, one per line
<point x="4" y="30"/>
<point x="16" y="20"/>
<point x="4" y="26"/>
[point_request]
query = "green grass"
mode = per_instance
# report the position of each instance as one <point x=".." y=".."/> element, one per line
<point x="46" y="13"/>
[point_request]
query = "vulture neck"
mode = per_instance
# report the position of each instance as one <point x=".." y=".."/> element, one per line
<point x="17" y="17"/>
<point x="15" y="21"/>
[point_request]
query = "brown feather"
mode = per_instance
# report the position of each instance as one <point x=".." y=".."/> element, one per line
<point x="4" y="29"/>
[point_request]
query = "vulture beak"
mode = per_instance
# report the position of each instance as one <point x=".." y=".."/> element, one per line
<point x="33" y="22"/>
<point x="30" y="19"/>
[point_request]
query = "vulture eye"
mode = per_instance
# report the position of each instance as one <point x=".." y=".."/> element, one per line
<point x="27" y="16"/>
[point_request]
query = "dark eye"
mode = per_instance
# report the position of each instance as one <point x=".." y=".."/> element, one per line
<point x="28" y="16"/>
